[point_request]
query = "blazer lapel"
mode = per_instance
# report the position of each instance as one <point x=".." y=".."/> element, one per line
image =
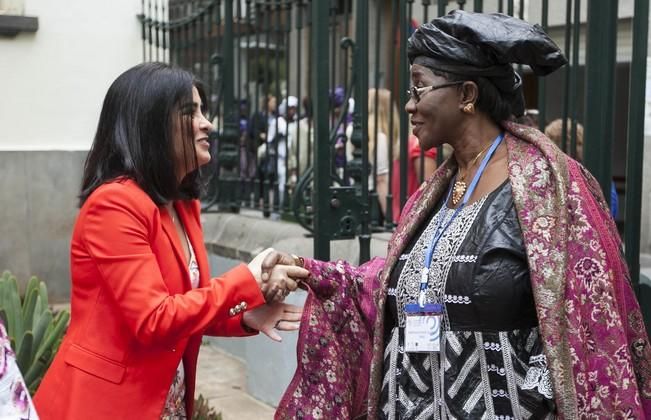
<point x="170" y="231"/>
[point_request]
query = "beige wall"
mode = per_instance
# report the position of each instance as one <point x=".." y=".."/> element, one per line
<point x="53" y="81"/>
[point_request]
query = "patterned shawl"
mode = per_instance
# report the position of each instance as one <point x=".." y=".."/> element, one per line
<point x="594" y="337"/>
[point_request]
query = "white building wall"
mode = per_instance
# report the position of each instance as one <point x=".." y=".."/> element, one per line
<point x="53" y="81"/>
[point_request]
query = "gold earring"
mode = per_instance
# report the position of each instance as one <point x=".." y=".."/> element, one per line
<point x="469" y="108"/>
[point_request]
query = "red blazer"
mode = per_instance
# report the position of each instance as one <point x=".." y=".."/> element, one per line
<point x="134" y="313"/>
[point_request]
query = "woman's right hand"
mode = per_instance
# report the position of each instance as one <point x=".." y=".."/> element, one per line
<point x="276" y="274"/>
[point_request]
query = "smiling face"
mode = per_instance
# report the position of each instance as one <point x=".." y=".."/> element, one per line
<point x="436" y="116"/>
<point x="192" y="117"/>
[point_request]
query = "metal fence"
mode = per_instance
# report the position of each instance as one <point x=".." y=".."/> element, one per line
<point x="288" y="81"/>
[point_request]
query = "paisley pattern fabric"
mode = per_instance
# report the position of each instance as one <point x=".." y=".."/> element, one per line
<point x="15" y="402"/>
<point x="334" y="348"/>
<point x="594" y="339"/>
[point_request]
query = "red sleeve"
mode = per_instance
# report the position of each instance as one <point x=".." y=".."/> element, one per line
<point x="116" y="229"/>
<point x="233" y="326"/>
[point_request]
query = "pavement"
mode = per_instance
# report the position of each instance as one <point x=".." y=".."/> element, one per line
<point x="221" y="379"/>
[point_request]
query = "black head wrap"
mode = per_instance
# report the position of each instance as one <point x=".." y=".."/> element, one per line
<point x="485" y="45"/>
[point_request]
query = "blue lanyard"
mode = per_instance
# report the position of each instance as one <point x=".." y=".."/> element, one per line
<point x="440" y="230"/>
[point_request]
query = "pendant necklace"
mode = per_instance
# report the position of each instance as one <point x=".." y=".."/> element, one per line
<point x="460" y="185"/>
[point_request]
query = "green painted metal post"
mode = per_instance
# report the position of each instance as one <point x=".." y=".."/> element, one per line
<point x="441" y="6"/>
<point x="600" y="90"/>
<point x="228" y="141"/>
<point x="542" y="84"/>
<point x="568" y="68"/>
<point x="574" y="75"/>
<point x="403" y="85"/>
<point x="635" y="141"/>
<point x="361" y="43"/>
<point x="321" y="158"/>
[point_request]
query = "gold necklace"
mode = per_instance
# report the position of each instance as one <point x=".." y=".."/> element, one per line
<point x="460" y="185"/>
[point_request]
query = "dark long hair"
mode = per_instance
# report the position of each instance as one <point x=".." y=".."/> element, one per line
<point x="134" y="137"/>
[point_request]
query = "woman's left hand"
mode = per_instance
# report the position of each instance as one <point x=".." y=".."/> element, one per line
<point x="274" y="316"/>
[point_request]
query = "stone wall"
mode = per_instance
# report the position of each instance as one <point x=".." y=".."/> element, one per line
<point x="39" y="206"/>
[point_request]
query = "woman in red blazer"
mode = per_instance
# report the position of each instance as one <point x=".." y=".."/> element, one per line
<point x="142" y="296"/>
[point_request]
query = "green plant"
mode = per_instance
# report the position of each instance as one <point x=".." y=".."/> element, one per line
<point x="203" y="411"/>
<point x="35" y="332"/>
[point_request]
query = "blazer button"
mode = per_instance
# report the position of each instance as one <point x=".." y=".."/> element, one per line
<point x="173" y="350"/>
<point x="231" y="312"/>
<point x="243" y="305"/>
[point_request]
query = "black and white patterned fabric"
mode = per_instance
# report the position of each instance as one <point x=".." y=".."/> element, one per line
<point x="490" y="366"/>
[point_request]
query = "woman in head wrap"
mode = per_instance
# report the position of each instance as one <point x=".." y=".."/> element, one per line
<point x="504" y="294"/>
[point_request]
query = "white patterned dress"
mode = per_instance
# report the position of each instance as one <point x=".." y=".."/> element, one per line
<point x="491" y="364"/>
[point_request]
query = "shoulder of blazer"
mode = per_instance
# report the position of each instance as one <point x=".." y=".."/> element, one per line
<point x="125" y="194"/>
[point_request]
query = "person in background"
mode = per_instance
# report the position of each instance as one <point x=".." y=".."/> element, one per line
<point x="554" y="130"/>
<point x="301" y="134"/>
<point x="264" y="129"/>
<point x="504" y="293"/>
<point x="415" y="175"/>
<point x="286" y="119"/>
<point x="381" y="131"/>
<point x="337" y="106"/>
<point x="142" y="295"/>
<point x="248" y="164"/>
<point x="379" y="137"/>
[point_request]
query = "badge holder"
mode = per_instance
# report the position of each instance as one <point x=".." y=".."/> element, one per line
<point x="423" y="327"/>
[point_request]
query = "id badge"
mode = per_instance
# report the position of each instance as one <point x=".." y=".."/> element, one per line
<point x="423" y="328"/>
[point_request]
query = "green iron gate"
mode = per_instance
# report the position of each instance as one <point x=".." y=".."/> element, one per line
<point x="251" y="53"/>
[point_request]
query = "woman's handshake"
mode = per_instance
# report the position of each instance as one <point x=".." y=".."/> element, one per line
<point x="277" y="275"/>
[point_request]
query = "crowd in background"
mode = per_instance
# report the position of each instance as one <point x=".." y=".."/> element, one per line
<point x="276" y="143"/>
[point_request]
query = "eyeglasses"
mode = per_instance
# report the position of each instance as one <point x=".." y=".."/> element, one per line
<point x="416" y="93"/>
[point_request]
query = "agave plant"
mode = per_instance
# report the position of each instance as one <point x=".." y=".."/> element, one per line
<point x="34" y="331"/>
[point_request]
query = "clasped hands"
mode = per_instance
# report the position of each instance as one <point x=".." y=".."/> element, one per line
<point x="277" y="275"/>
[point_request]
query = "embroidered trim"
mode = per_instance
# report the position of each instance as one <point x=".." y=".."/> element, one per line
<point x="464" y="259"/>
<point x="492" y="346"/>
<point x="500" y="393"/>
<point x="485" y="381"/>
<point x="494" y="368"/>
<point x="540" y="358"/>
<point x="510" y="375"/>
<point x="463" y="300"/>
<point x="538" y="377"/>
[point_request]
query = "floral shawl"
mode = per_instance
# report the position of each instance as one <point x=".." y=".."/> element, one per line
<point x="594" y="337"/>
